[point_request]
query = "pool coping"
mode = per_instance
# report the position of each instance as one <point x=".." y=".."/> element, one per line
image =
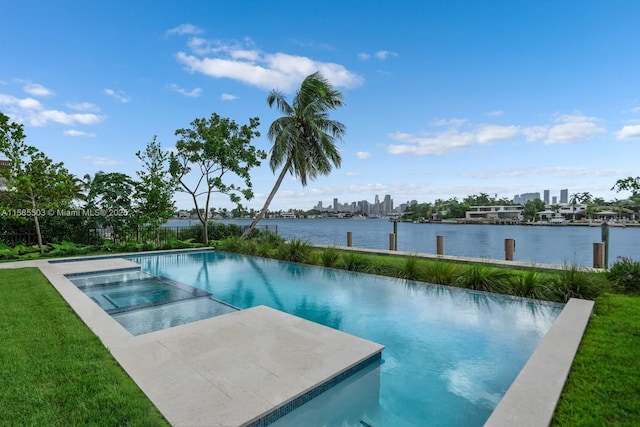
<point x="245" y="368"/>
<point x="533" y="396"/>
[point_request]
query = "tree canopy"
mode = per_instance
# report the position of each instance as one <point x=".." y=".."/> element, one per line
<point x="35" y="183"/>
<point x="154" y="191"/>
<point x="304" y="136"/>
<point x="206" y="153"/>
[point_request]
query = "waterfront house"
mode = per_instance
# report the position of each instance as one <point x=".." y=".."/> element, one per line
<point x="495" y="212"/>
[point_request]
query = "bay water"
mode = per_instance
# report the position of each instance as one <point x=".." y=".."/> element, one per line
<point x="562" y="244"/>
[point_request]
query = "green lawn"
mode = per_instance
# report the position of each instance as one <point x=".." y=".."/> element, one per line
<point x="604" y="383"/>
<point x="53" y="370"/>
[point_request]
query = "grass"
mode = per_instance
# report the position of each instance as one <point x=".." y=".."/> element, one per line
<point x="54" y="371"/>
<point x="603" y="387"/>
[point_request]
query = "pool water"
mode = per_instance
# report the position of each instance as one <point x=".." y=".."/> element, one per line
<point x="450" y="354"/>
<point x="144" y="303"/>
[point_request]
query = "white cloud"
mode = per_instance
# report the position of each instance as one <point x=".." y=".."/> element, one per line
<point x="535" y="133"/>
<point x="228" y="97"/>
<point x="102" y="161"/>
<point x="32" y="111"/>
<point x="351" y="174"/>
<point x="384" y="54"/>
<point x="496" y="113"/>
<point x="568" y="128"/>
<point x="635" y="110"/>
<point x="36" y="89"/>
<point x="183" y="29"/>
<point x="57" y="116"/>
<point x="83" y="106"/>
<point x="363" y="155"/>
<point x="573" y="128"/>
<point x="73" y="132"/>
<point x="449" y="122"/>
<point x="120" y="96"/>
<point x="24" y="103"/>
<point x="555" y="171"/>
<point x="439" y="144"/>
<point x="381" y="55"/>
<point x="629" y="132"/>
<point x="194" y="93"/>
<point x="265" y="70"/>
<point x="489" y="133"/>
<point x="449" y="140"/>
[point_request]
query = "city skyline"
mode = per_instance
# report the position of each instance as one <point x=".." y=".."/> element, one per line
<point x="442" y="99"/>
<point x="387" y="205"/>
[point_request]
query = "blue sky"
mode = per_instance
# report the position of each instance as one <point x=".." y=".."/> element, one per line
<point x="443" y="99"/>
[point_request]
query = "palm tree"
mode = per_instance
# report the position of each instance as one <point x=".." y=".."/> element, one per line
<point x="304" y="137"/>
<point x="79" y="188"/>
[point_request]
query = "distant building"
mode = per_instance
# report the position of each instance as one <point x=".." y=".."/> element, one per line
<point x="335" y="204"/>
<point x="387" y="205"/>
<point x="554" y="200"/>
<point x="564" y="197"/>
<point x="546" y="197"/>
<point x="526" y="197"/>
<point x="494" y="212"/>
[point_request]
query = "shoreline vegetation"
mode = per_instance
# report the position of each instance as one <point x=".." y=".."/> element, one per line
<point x="461" y="221"/>
<point x="601" y="387"/>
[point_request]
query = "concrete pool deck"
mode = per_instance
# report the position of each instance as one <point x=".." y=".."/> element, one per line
<point x="234" y="367"/>
<point x="231" y="370"/>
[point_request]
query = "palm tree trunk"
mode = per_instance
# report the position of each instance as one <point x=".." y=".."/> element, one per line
<point x="263" y="212"/>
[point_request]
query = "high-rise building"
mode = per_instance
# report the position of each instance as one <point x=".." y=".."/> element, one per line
<point x="546" y="197"/>
<point x="564" y="196"/>
<point x="554" y="200"/>
<point x="387" y="204"/>
<point x="335" y="204"/>
<point x="526" y="197"/>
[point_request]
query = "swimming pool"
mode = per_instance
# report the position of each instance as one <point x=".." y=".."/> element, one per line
<point x="450" y="353"/>
<point x="144" y="303"/>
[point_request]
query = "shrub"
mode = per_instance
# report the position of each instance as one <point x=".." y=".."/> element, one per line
<point x="329" y="257"/>
<point x="441" y="272"/>
<point x="410" y="270"/>
<point x="64" y="249"/>
<point x="531" y="284"/>
<point x="294" y="251"/>
<point x="354" y="262"/>
<point x="625" y="273"/>
<point x="574" y="282"/>
<point x="379" y="267"/>
<point x="268" y="237"/>
<point x="231" y="244"/>
<point x="483" y="278"/>
<point x="248" y="247"/>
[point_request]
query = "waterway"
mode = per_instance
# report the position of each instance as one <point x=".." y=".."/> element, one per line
<point x="563" y="244"/>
